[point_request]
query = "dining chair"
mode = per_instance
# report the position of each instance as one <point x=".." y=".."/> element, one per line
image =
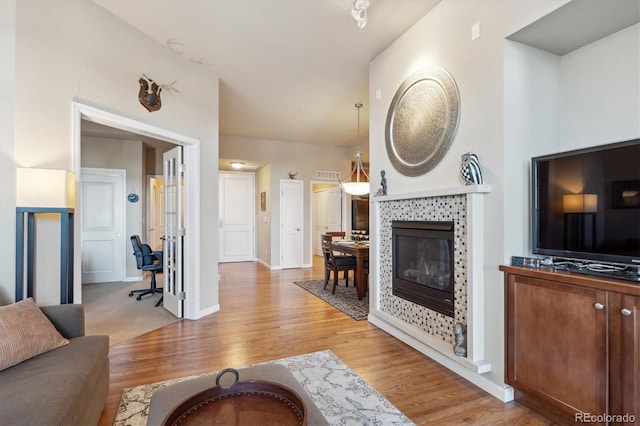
<point x="336" y="263"/>
<point x="330" y="235"/>
<point x="366" y="276"/>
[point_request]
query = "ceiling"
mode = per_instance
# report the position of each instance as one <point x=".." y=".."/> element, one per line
<point x="290" y="70"/>
<point x="579" y="23"/>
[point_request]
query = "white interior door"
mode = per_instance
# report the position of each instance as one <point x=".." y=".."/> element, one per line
<point x="174" y="232"/>
<point x="318" y="221"/>
<point x="291" y="223"/>
<point x="327" y="215"/>
<point x="237" y="217"/>
<point x="333" y="209"/>
<point x="102" y="225"/>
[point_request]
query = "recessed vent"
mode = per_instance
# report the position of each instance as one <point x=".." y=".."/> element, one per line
<point x="324" y="175"/>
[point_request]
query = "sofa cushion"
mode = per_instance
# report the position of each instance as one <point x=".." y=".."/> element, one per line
<point x="57" y="386"/>
<point x="26" y="332"/>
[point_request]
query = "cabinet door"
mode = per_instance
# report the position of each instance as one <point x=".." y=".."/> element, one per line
<point x="624" y="352"/>
<point x="556" y="345"/>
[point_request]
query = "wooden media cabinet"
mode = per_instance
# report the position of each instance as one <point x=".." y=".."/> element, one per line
<point x="572" y="345"/>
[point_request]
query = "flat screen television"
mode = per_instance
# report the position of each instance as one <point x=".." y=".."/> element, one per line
<point x="586" y="205"/>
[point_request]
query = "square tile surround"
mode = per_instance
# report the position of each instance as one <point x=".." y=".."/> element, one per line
<point x="441" y="208"/>
<point x="420" y="327"/>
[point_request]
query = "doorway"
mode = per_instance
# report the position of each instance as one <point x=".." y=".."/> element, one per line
<point x="327" y="212"/>
<point x="291" y="223"/>
<point x="237" y="216"/>
<point x="191" y="149"/>
<point x="155" y="216"/>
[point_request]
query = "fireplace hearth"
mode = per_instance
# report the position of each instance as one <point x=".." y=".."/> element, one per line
<point x="422" y="263"/>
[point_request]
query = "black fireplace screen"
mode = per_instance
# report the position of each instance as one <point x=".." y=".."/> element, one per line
<point x="423" y="263"/>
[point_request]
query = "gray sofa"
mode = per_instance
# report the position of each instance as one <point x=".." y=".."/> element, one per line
<point x="65" y="386"/>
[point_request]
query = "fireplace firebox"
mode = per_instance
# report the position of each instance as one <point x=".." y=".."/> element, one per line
<point x="422" y="259"/>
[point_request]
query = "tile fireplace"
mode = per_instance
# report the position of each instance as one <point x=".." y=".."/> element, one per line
<point x="451" y="268"/>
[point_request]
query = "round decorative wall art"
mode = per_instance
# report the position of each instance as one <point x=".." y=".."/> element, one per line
<point x="422" y="121"/>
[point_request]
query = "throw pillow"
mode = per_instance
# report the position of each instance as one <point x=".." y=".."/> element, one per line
<point x="25" y="331"/>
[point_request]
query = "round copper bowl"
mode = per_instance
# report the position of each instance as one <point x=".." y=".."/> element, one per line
<point x="252" y="402"/>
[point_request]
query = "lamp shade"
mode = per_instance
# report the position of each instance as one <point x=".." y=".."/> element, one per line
<point x="580" y="203"/>
<point x="356" y="188"/>
<point x="45" y="188"/>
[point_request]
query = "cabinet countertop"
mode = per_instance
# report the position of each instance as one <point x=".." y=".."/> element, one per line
<point x="575" y="278"/>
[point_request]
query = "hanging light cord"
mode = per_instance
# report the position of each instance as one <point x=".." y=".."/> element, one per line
<point x="359" y="167"/>
<point x="356" y="187"/>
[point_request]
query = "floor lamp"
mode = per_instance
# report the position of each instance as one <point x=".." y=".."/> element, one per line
<point x="577" y="209"/>
<point x="43" y="191"/>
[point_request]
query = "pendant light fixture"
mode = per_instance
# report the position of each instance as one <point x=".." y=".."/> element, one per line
<point x="356" y="187"/>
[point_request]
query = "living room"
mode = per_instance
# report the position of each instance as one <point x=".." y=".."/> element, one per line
<point x="517" y="102"/>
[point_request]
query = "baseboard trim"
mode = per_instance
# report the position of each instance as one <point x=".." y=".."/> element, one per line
<point x="502" y="392"/>
<point x="204" y="312"/>
<point x="266" y="265"/>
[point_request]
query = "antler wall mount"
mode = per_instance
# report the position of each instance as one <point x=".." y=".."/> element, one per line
<point x="149" y="94"/>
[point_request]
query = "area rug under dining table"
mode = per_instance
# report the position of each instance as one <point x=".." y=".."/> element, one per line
<point x="339" y="393"/>
<point x="344" y="299"/>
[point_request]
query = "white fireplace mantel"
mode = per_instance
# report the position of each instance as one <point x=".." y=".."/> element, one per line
<point x="475" y="362"/>
<point x="457" y="190"/>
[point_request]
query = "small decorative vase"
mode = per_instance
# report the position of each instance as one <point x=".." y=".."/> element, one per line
<point x="470" y="169"/>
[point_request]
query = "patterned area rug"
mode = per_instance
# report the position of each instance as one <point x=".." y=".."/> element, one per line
<point x="345" y="298"/>
<point x="340" y="394"/>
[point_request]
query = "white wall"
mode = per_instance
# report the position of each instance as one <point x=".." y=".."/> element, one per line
<point x="69" y="50"/>
<point x="263" y="235"/>
<point x="600" y="91"/>
<point x="516" y="102"/>
<point x="7" y="166"/>
<point x="443" y="38"/>
<point x="585" y="98"/>
<point x="284" y="157"/>
<point x="532" y="121"/>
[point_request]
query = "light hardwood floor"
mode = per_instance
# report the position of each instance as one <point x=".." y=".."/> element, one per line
<point x="264" y="316"/>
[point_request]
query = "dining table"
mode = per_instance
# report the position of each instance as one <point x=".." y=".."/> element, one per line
<point x="360" y="250"/>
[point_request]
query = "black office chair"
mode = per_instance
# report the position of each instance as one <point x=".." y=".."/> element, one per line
<point x="147" y="260"/>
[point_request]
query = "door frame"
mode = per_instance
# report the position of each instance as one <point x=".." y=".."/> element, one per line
<point x="191" y="151"/>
